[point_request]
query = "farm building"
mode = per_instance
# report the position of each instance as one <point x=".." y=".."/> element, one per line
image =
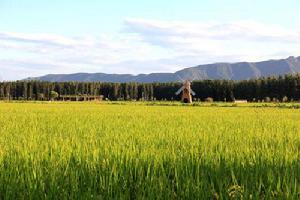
<point x="80" y="98"/>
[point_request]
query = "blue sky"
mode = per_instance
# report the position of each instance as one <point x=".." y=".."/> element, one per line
<point x="38" y="37"/>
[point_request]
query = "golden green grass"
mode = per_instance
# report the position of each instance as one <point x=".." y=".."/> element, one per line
<point x="134" y="151"/>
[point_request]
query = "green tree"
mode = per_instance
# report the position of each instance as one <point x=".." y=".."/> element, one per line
<point x="53" y="95"/>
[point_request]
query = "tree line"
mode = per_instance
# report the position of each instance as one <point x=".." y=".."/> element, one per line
<point x="282" y="88"/>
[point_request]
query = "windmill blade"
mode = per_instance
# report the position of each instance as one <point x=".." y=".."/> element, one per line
<point x="178" y="92"/>
<point x="193" y="93"/>
<point x="193" y="79"/>
<point x="180" y="78"/>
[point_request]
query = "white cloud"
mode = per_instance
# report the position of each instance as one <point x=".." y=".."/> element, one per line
<point x="145" y="46"/>
<point x="243" y="39"/>
<point x="238" y="30"/>
<point x="47" y="39"/>
<point x="57" y="54"/>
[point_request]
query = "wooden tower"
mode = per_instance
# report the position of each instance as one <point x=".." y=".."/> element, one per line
<point x="186" y="91"/>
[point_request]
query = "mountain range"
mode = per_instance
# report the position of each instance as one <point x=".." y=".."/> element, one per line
<point x="225" y="71"/>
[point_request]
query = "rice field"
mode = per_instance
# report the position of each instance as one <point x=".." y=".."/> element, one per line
<point x="137" y="151"/>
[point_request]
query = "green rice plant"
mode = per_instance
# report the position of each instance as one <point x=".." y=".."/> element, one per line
<point x="135" y="151"/>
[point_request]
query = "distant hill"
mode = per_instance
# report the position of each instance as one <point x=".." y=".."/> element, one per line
<point x="227" y="71"/>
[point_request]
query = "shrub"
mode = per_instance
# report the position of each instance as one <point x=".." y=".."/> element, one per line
<point x="285" y="99"/>
<point x="267" y="99"/>
<point x="209" y="99"/>
<point x="275" y="100"/>
<point x="53" y="95"/>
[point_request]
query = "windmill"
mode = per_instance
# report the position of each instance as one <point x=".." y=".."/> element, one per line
<point x="186" y="91"/>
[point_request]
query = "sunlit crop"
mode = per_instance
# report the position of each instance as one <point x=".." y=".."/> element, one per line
<point x="135" y="151"/>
